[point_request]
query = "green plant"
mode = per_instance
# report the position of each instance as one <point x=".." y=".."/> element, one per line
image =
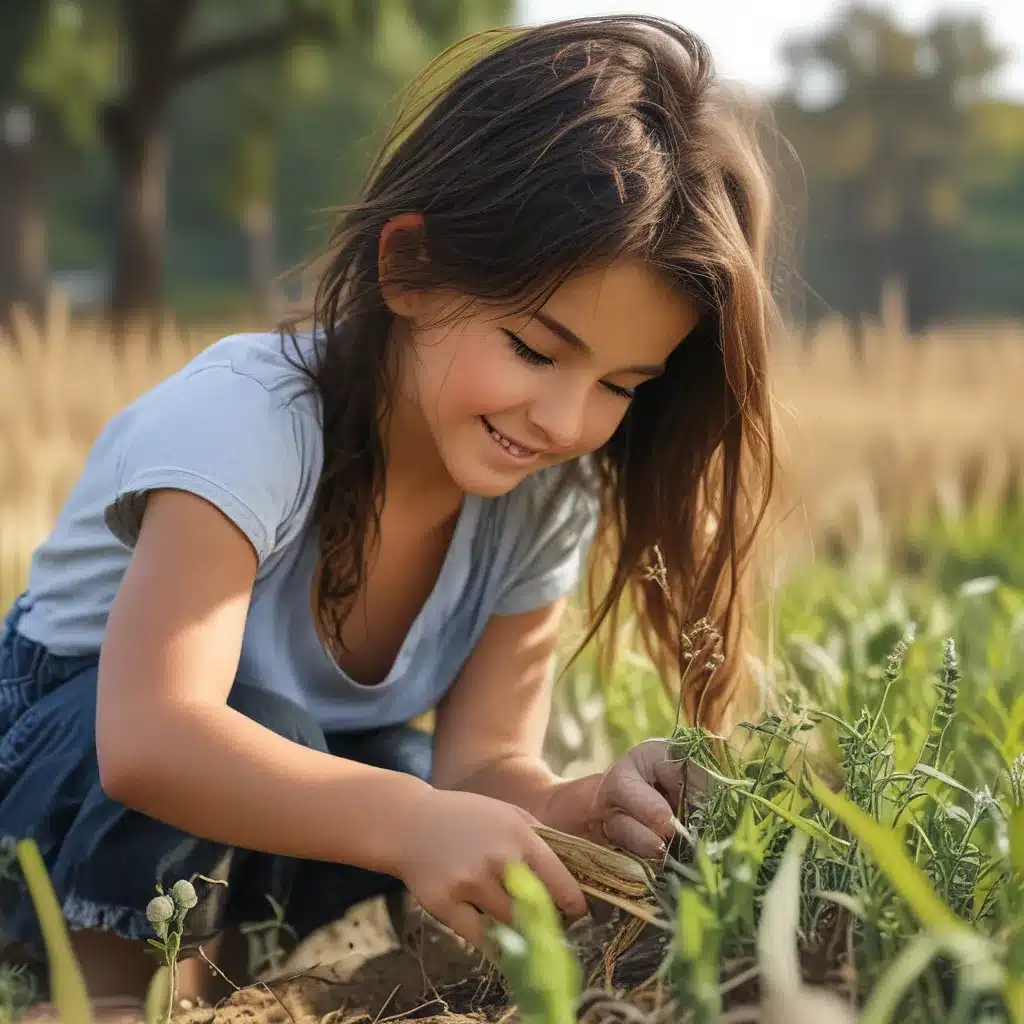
<point x="166" y="912"/>
<point x="67" y="986"/>
<point x="541" y="971"/>
<point x="17" y="992"/>
<point x="263" y="937"/>
<point x="895" y="890"/>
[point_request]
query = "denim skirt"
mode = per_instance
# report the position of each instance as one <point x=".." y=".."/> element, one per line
<point x="105" y="859"/>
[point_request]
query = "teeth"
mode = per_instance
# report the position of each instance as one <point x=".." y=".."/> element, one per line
<point x="514" y="449"/>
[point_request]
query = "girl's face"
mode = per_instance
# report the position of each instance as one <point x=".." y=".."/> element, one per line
<point x="504" y="395"/>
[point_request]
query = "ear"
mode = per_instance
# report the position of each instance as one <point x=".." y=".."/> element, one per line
<point x="395" y="236"/>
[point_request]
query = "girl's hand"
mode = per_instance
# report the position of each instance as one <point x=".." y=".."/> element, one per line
<point x="453" y="858"/>
<point x="637" y="799"/>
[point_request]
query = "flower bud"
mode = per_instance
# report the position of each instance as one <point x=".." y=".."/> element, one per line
<point x="159" y="910"/>
<point x="184" y="894"/>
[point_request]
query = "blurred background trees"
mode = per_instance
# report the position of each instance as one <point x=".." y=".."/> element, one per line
<point x="185" y="152"/>
<point x="914" y="179"/>
<point x="149" y="139"/>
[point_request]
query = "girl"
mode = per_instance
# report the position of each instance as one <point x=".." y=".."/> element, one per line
<point x="544" y="324"/>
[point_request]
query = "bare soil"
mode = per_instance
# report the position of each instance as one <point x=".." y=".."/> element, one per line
<point x="359" y="971"/>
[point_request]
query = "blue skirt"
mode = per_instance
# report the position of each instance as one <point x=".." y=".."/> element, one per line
<point x="105" y="859"/>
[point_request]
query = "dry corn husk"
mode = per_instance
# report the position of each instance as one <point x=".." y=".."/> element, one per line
<point x="604" y="874"/>
<point x="597" y="865"/>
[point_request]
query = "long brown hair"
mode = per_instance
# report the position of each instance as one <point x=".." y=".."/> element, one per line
<point x="549" y="149"/>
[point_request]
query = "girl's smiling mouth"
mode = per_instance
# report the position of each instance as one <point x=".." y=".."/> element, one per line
<point x="517" y="451"/>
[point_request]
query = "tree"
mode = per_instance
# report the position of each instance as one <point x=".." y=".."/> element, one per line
<point x="406" y="36"/>
<point x="884" y="153"/>
<point x="164" y="47"/>
<point x="168" y="43"/>
<point x="53" y="69"/>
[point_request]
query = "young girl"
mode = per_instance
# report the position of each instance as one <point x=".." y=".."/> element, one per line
<point x="544" y="324"/>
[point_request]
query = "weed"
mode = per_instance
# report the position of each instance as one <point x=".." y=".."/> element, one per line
<point x="18" y="991"/>
<point x="909" y="899"/>
<point x="166" y="912"/>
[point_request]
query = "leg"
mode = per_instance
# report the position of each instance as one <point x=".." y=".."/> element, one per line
<point x="105" y="859"/>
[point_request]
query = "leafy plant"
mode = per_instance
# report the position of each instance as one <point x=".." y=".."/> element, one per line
<point x="17" y="991"/>
<point x="541" y="971"/>
<point x="67" y="986"/>
<point x="867" y="862"/>
<point x="166" y="912"/>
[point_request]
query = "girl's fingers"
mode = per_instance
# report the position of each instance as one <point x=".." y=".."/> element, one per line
<point x="669" y="776"/>
<point x="626" y="832"/>
<point x="526" y="815"/>
<point x="467" y="923"/>
<point x="557" y="878"/>
<point x="492" y="899"/>
<point x="631" y="793"/>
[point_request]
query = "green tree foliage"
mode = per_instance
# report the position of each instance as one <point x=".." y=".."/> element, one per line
<point x="213" y="163"/>
<point x="54" y="67"/>
<point x="892" y="156"/>
<point x="115" y="70"/>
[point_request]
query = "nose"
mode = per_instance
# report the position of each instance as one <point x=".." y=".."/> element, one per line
<point x="559" y="415"/>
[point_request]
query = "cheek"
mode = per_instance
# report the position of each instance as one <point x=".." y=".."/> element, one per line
<point x="475" y="379"/>
<point x="602" y="421"/>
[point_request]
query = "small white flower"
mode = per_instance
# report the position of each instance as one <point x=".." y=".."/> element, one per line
<point x="184" y="894"/>
<point x="160" y="909"/>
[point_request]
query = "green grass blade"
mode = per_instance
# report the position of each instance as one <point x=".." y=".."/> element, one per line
<point x="67" y="986"/>
<point x="946" y="780"/>
<point x="842" y="899"/>
<point x="537" y="962"/>
<point x="885" y="847"/>
<point x="1013" y="996"/>
<point x="158" y="995"/>
<point x="805" y="825"/>
<point x="905" y="969"/>
<point x="777" y="936"/>
<point x="1016" y="831"/>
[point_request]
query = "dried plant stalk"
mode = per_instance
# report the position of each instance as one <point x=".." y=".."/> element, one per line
<point x="598" y="866"/>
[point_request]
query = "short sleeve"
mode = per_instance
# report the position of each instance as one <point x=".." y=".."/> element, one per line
<point x="224" y="436"/>
<point x="559" y="524"/>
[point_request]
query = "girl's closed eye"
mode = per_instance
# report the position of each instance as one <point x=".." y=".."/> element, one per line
<point x="527" y="354"/>
<point x="534" y="358"/>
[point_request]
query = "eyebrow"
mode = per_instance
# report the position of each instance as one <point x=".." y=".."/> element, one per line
<point x="573" y="339"/>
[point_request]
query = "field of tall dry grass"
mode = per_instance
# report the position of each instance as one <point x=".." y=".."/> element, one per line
<point x="867" y="443"/>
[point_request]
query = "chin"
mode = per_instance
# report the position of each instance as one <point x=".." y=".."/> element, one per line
<point x="484" y="483"/>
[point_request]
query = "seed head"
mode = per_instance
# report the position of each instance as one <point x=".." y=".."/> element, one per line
<point x="184" y="894"/>
<point x="950" y="664"/>
<point x="895" y="660"/>
<point x="160" y="909"/>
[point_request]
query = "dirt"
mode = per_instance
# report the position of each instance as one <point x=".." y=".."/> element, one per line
<point x="357" y="971"/>
<point x="360" y="971"/>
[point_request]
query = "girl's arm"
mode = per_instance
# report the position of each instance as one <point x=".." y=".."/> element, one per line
<point x="490" y="735"/>
<point x="167" y="743"/>
<point x="490" y="727"/>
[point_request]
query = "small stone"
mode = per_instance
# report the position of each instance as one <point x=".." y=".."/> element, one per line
<point x="185" y="1004"/>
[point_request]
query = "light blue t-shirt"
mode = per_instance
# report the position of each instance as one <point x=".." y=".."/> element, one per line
<point x="240" y="426"/>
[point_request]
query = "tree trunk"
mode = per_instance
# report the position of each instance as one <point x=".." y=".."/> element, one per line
<point x="138" y="145"/>
<point x="23" y="264"/>
<point x="136" y="136"/>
